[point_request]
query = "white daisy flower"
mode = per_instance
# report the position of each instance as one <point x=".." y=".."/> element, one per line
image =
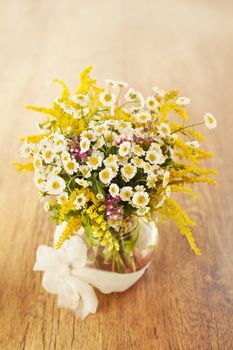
<point x="183" y="101"/>
<point x="37" y="161"/>
<point x="85" y="171"/>
<point x="26" y="150"/>
<point x="95" y="160"/>
<point x="39" y="181"/>
<point x="210" y="121"/>
<point x="114" y="190"/>
<point x="164" y="129"/>
<point x="82" y="182"/>
<point x="107" y="99"/>
<point x="140" y="199"/>
<point x="84" y="144"/>
<point x="59" y="142"/>
<point x="166" y="178"/>
<point x="193" y="144"/>
<point x="89" y="134"/>
<point x="61" y="198"/>
<point x="154" y="157"/>
<point x="70" y="166"/>
<point x="140" y="188"/>
<point x="137" y="150"/>
<point x="109" y="137"/>
<point x="126" y="193"/>
<point x="111" y="82"/>
<point x="106" y="175"/>
<point x="154" y="170"/>
<point x="124" y="148"/>
<point x="65" y="156"/>
<point x="53" y="169"/>
<point x="132" y="95"/>
<point x="147" y="167"/>
<point x="138" y="162"/>
<point x="80" y="201"/>
<point x="128" y="171"/>
<point x="115" y="168"/>
<point x="100" y="129"/>
<point x="100" y="142"/>
<point x="44" y="143"/>
<point x="159" y="92"/>
<point x="48" y="155"/>
<point x="80" y="99"/>
<point x="122" y="84"/>
<point x="143" y="117"/>
<point x="155" y="147"/>
<point x="111" y="160"/>
<point x="152" y="104"/>
<point x="55" y="184"/>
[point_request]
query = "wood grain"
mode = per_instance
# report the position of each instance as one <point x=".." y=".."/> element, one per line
<point x="182" y="302"/>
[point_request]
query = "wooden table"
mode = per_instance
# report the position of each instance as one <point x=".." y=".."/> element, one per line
<point x="182" y="302"/>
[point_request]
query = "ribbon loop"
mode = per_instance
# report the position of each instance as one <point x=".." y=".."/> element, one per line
<point x="73" y="292"/>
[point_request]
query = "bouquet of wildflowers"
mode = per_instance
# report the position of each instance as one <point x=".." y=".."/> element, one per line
<point x="108" y="159"/>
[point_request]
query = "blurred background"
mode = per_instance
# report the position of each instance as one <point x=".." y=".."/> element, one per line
<point x="184" y="302"/>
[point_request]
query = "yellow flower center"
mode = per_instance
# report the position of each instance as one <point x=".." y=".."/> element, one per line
<point x="210" y="120"/>
<point x="100" y="129"/>
<point x="141" y="200"/>
<point x="110" y="159"/>
<point x="70" y="165"/>
<point x="37" y="163"/>
<point x="128" y="170"/>
<point x="48" y="154"/>
<point x="94" y="161"/>
<point x="107" y="97"/>
<point x="105" y="174"/>
<point x="55" y="185"/>
<point x="127" y="194"/>
<point x="152" y="157"/>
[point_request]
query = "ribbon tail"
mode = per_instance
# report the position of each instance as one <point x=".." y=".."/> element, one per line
<point x="88" y="301"/>
<point x="77" y="295"/>
<point x="68" y="295"/>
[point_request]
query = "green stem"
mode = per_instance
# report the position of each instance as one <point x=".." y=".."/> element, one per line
<point x="126" y="103"/>
<point x="187" y="126"/>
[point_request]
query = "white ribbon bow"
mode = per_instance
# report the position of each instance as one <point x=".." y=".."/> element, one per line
<point x="66" y="273"/>
<point x="60" y="275"/>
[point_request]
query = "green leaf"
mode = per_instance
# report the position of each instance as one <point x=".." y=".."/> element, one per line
<point x="98" y="187"/>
